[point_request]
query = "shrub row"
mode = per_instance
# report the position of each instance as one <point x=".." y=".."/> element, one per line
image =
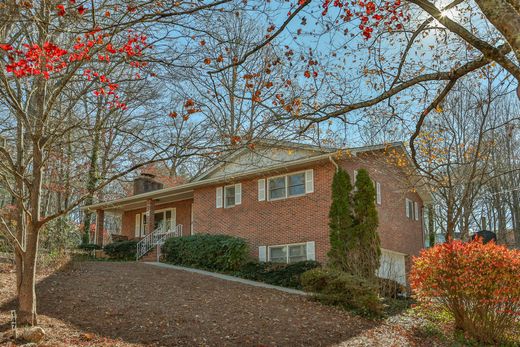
<point x="210" y="252"/>
<point x="122" y="250"/>
<point x="333" y="287"/>
<point x="285" y="275"/>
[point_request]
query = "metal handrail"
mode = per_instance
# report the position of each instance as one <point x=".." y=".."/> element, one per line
<point x="157" y="237"/>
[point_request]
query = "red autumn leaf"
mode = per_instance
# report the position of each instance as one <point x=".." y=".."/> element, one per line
<point x="207" y="61"/>
<point x="61" y="10"/>
<point x="6" y="47"/>
<point x="189" y="103"/>
<point x="307" y="74"/>
<point x="81" y="10"/>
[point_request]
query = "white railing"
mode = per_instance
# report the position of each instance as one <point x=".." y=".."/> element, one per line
<point x="156" y="238"/>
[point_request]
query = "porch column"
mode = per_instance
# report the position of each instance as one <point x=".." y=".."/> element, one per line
<point x="100" y="225"/>
<point x="150" y="215"/>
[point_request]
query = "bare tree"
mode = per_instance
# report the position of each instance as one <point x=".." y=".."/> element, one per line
<point x="60" y="65"/>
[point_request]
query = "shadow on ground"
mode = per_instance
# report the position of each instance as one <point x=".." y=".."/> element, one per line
<point x="139" y="303"/>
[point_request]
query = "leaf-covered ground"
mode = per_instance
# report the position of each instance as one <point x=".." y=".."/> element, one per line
<point x="134" y="304"/>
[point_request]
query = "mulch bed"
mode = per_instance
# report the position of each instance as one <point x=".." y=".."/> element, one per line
<point x="134" y="304"/>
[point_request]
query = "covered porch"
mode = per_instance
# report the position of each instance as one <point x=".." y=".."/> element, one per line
<point x="165" y="211"/>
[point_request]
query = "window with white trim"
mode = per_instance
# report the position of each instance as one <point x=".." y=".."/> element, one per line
<point x="282" y="187"/>
<point x="288" y="253"/>
<point x="378" y="193"/>
<point x="229" y="196"/>
<point x="410" y="209"/>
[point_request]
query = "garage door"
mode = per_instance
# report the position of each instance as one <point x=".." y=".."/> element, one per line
<point x="392" y="266"/>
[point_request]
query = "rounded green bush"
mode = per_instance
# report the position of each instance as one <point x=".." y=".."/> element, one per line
<point x="210" y="252"/>
<point x="121" y="250"/>
<point x="335" y="287"/>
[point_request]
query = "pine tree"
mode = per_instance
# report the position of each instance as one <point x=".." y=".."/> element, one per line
<point x="340" y="220"/>
<point x="365" y="226"/>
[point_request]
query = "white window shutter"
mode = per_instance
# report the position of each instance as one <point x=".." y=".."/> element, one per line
<point x="407" y="208"/>
<point x="137" y="225"/>
<point x="238" y="193"/>
<point x="309" y="181"/>
<point x="378" y="193"/>
<point x="262" y="253"/>
<point x="311" y="253"/>
<point x="416" y="210"/>
<point x="261" y="190"/>
<point x="219" y="197"/>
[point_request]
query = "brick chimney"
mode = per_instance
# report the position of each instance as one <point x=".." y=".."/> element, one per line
<point x="145" y="183"/>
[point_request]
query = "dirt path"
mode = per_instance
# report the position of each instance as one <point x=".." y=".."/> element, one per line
<point x="104" y="303"/>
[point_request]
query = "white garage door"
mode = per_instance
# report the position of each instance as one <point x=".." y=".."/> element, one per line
<point x="392" y="266"/>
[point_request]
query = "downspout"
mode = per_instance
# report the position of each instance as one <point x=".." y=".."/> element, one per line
<point x="334" y="163"/>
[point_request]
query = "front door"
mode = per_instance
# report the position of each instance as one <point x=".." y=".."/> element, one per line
<point x="165" y="220"/>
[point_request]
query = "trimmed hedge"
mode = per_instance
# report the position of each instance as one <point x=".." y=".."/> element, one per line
<point x="89" y="247"/>
<point x="285" y="275"/>
<point x="335" y="287"/>
<point x="122" y="250"/>
<point x="210" y="252"/>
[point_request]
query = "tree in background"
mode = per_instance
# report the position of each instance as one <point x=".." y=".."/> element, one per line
<point x="365" y="226"/>
<point x="340" y="221"/>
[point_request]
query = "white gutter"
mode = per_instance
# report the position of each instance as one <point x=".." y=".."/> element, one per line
<point x="334" y="163"/>
<point x="189" y="186"/>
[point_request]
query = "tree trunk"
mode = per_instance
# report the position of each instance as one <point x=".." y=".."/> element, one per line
<point x="431" y="226"/>
<point x="26" y="281"/>
<point x="92" y="178"/>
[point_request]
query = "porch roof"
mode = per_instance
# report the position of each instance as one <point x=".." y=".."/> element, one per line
<point x="185" y="191"/>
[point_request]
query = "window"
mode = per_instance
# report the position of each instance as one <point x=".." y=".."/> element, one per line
<point x="278" y="254"/>
<point x="229" y="196"/>
<point x="409" y="209"/>
<point x="296" y="184"/>
<point x="287" y="186"/>
<point x="165" y="220"/>
<point x="277" y="188"/>
<point x="288" y="253"/>
<point x="378" y="193"/>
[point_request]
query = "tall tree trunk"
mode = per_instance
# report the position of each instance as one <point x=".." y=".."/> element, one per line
<point x="27" y="280"/>
<point x="431" y="226"/>
<point x="92" y="178"/>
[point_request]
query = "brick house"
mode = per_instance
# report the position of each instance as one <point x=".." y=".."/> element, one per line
<point x="277" y="197"/>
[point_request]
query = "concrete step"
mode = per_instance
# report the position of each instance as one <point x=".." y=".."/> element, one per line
<point x="150" y="256"/>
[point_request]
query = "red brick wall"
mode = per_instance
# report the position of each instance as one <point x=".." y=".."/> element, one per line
<point x="305" y="218"/>
<point x="183" y="213"/>
<point x="292" y="220"/>
<point x="397" y="232"/>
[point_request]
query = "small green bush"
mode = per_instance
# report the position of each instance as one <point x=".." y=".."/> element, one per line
<point x="210" y="252"/>
<point x="89" y="247"/>
<point x="335" y="287"/>
<point x="123" y="250"/>
<point x="285" y="275"/>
